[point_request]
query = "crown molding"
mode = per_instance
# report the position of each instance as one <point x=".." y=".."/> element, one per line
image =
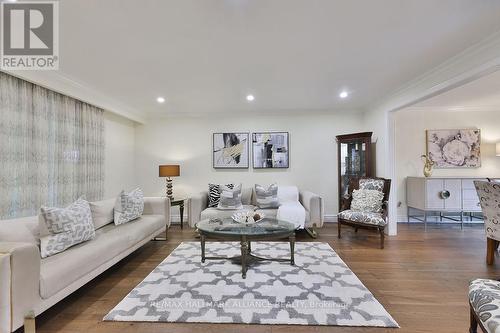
<point x="479" y="108"/>
<point x="56" y="81"/>
<point x="474" y="62"/>
<point x="261" y="113"/>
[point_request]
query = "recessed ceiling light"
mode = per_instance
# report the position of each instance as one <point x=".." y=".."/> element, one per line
<point x="250" y="98"/>
<point x="343" y="94"/>
<point x="160" y="100"/>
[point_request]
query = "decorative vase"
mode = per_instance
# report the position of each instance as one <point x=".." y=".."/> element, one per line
<point x="428" y="164"/>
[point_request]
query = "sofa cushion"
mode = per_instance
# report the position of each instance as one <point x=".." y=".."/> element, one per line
<point x="230" y="198"/>
<point x="484" y="296"/>
<point x="62" y="269"/>
<point x="128" y="206"/>
<point x="268" y="212"/>
<point x="67" y="226"/>
<point x="24" y="229"/>
<point x="362" y="217"/>
<point x="213" y="213"/>
<point x="102" y="212"/>
<point x="246" y="196"/>
<point x="267" y="197"/>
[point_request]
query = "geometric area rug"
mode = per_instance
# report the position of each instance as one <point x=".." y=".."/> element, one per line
<point x="319" y="290"/>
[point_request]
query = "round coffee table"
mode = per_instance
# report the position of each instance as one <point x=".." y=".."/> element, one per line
<point x="228" y="230"/>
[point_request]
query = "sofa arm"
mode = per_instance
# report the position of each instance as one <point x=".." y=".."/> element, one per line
<point x="157" y="206"/>
<point x="313" y="203"/>
<point x="197" y="203"/>
<point x="21" y="287"/>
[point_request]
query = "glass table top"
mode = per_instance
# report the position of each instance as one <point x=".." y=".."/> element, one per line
<point x="229" y="227"/>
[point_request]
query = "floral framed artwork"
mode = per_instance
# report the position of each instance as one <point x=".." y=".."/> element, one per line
<point x="230" y="150"/>
<point x="454" y="148"/>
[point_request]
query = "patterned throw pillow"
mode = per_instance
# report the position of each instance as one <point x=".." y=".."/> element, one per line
<point x="267" y="198"/>
<point x="129" y="206"/>
<point x="230" y="198"/>
<point x="214" y="194"/>
<point x="67" y="227"/>
<point x="367" y="201"/>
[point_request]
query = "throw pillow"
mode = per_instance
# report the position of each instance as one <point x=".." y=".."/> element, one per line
<point x="66" y="227"/>
<point x="214" y="194"/>
<point x="267" y="198"/>
<point x="367" y="201"/>
<point x="129" y="206"/>
<point x="230" y="198"/>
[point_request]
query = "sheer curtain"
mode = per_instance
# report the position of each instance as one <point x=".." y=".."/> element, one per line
<point x="51" y="148"/>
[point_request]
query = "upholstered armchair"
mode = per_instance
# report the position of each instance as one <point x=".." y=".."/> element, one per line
<point x="375" y="219"/>
<point x="489" y="198"/>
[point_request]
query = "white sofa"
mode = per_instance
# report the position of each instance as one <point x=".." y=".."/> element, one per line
<point x="29" y="284"/>
<point x="312" y="203"/>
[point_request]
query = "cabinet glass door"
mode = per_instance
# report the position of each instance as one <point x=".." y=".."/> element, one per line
<point x="352" y="162"/>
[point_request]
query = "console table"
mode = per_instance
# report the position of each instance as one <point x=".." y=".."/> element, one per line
<point x="443" y="195"/>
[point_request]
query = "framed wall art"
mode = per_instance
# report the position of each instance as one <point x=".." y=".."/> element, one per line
<point x="454" y="148"/>
<point x="230" y="150"/>
<point x="270" y="150"/>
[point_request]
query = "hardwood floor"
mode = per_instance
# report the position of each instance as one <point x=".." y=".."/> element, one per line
<point x="420" y="277"/>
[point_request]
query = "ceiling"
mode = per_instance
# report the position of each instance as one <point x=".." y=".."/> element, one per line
<point x="481" y="94"/>
<point x="205" y="56"/>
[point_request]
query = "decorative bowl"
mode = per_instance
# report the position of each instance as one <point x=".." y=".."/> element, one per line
<point x="246" y="217"/>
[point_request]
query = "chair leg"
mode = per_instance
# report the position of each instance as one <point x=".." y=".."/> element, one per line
<point x="382" y="237"/>
<point x="29" y="323"/>
<point x="339" y="227"/>
<point x="491" y="245"/>
<point x="355" y="229"/>
<point x="473" y="321"/>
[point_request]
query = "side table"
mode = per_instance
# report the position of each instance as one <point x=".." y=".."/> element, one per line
<point x="180" y="203"/>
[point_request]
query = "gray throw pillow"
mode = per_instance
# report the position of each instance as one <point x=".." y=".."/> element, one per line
<point x="230" y="198"/>
<point x="129" y="206"/>
<point x="66" y="227"/>
<point x="267" y="198"/>
<point x="369" y="201"/>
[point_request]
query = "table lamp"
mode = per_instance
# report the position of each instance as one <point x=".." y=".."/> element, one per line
<point x="169" y="171"/>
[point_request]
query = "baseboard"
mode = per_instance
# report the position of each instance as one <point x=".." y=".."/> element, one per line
<point x="330" y="218"/>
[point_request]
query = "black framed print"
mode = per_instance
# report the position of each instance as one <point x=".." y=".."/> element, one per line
<point x="230" y="150"/>
<point x="270" y="150"/>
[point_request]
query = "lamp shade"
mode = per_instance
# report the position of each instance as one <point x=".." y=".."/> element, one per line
<point x="498" y="149"/>
<point x="169" y="170"/>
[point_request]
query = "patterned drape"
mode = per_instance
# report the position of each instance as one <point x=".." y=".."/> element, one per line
<point x="51" y="148"/>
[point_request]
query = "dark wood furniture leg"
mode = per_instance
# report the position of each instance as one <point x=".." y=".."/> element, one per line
<point x="491" y="246"/>
<point x="181" y="211"/>
<point x="339" y="224"/>
<point x="292" y="250"/>
<point x="244" y="253"/>
<point x="202" y="242"/>
<point x="382" y="237"/>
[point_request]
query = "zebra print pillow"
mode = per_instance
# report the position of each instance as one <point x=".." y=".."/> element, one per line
<point x="214" y="191"/>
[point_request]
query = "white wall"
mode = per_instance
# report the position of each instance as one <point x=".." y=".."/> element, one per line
<point x="119" y="154"/>
<point x="410" y="144"/>
<point x="188" y="141"/>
